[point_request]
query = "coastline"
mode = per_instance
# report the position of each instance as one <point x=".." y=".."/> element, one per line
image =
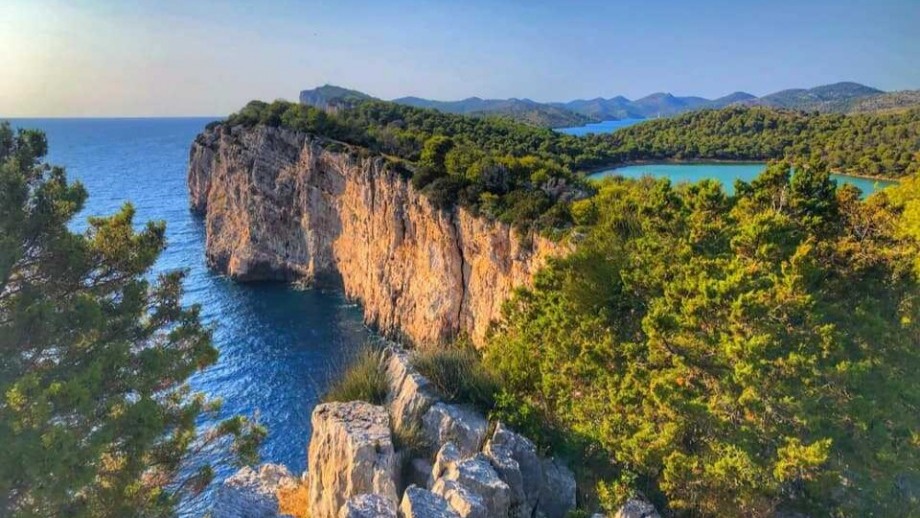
<point x="718" y="161"/>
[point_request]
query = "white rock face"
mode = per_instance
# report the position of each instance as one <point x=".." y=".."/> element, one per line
<point x="279" y="206"/>
<point x="473" y="489"/>
<point x="368" y="506"/>
<point x="252" y="494"/>
<point x="421" y="503"/>
<point x="410" y="394"/>
<point x="635" y="508"/>
<point x="463" y="426"/>
<point x="515" y="459"/>
<point x="557" y="497"/>
<point x="351" y="453"/>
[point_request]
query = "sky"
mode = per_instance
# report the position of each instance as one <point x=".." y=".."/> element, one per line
<point x="84" y="58"/>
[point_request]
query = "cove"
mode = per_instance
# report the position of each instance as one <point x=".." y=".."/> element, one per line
<point x="725" y="173"/>
<point x="599" y="127"/>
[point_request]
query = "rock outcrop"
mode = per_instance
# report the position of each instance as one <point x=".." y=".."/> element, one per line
<point x="355" y="468"/>
<point x="351" y="454"/>
<point x="252" y="494"/>
<point x="280" y="205"/>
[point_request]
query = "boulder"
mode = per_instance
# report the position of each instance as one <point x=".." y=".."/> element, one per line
<point x="635" y="508"/>
<point x="462" y="425"/>
<point x="419" y="473"/>
<point x="557" y="497"/>
<point x="351" y="453"/>
<point x="447" y="455"/>
<point x="252" y="494"/>
<point x="515" y="459"/>
<point x="368" y="506"/>
<point x="473" y="489"/>
<point x="421" y="503"/>
<point x="410" y="394"/>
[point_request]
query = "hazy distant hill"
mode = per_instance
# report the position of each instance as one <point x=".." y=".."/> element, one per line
<point x="837" y="97"/>
<point x="330" y="95"/>
<point x="521" y="110"/>
<point x="845" y="97"/>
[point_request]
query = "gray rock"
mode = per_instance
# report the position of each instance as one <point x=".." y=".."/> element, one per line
<point x="351" y="453"/>
<point x="462" y="425"/>
<point x="473" y="489"/>
<point x="410" y="394"/>
<point x="557" y="497"/>
<point x="515" y="459"/>
<point x="419" y="473"/>
<point x="635" y="508"/>
<point x="447" y="455"/>
<point x="252" y="494"/>
<point x="421" y="503"/>
<point x="368" y="506"/>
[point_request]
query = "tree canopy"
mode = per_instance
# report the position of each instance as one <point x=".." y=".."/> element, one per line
<point x="732" y="355"/>
<point x="96" y="417"/>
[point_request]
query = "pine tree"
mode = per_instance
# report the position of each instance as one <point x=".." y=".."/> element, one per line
<point x="96" y="416"/>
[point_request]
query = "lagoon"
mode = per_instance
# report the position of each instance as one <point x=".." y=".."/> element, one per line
<point x="726" y="173"/>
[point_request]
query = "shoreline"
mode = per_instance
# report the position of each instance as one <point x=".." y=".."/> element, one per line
<point x="717" y="161"/>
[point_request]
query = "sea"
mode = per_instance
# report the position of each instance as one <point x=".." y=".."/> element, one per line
<point x="599" y="127"/>
<point x="279" y="346"/>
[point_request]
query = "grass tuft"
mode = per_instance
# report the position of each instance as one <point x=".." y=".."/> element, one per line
<point x="458" y="375"/>
<point x="364" y="379"/>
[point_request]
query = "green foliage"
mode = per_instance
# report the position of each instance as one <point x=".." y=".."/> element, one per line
<point x="885" y="145"/>
<point x="96" y="416"/>
<point x="732" y="355"/>
<point x="457" y="374"/>
<point x="363" y="379"/>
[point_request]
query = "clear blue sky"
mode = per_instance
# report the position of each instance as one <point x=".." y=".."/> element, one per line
<point x="178" y="57"/>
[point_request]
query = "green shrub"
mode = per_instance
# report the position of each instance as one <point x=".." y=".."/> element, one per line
<point x="458" y="375"/>
<point x="364" y="379"/>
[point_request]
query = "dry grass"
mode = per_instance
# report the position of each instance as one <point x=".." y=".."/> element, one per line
<point x="293" y="499"/>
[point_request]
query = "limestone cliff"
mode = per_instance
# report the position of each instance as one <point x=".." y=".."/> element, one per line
<point x="281" y="205"/>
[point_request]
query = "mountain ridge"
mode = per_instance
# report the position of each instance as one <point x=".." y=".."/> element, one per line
<point x="841" y="97"/>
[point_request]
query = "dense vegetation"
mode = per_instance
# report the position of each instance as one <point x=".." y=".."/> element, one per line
<point x="95" y="414"/>
<point x="518" y="174"/>
<point x="884" y="145"/>
<point x="730" y="355"/>
<point x="527" y="176"/>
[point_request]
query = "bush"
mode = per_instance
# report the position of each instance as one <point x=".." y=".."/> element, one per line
<point x="458" y="375"/>
<point x="364" y="379"/>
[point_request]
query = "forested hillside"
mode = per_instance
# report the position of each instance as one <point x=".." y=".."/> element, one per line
<point x="729" y="355"/>
<point x="883" y="145"/>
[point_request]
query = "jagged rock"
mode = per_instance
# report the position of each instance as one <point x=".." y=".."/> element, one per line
<point x="473" y="489"/>
<point x="515" y="459"/>
<point x="279" y="204"/>
<point x="447" y="455"/>
<point x="410" y="394"/>
<point x="557" y="497"/>
<point x="421" y="503"/>
<point x="635" y="508"/>
<point x="252" y="494"/>
<point x="367" y="506"/>
<point x="463" y="426"/>
<point x="351" y="453"/>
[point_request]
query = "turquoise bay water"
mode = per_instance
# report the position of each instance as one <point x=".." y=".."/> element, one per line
<point x="279" y="347"/>
<point x="724" y="173"/>
<point x="599" y="127"/>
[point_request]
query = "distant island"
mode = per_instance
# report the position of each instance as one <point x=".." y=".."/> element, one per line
<point x="843" y="97"/>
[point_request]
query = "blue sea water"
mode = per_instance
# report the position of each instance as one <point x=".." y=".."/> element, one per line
<point x="279" y="347"/>
<point x="723" y="172"/>
<point x="599" y="127"/>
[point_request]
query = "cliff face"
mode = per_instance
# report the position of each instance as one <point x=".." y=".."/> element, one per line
<point x="280" y="206"/>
